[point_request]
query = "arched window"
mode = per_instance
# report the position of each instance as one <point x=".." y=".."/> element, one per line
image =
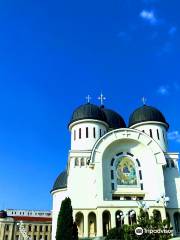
<point x="163" y="136"/>
<point x="132" y="217"/>
<point x="79" y="220"/>
<point x="82" y="162"/>
<point x="79" y="133"/>
<point x="94" y="132"/>
<point x="76" y="162"/>
<point x="150" y="130"/>
<point x="119" y="218"/>
<point x="138" y="162"/>
<point x="100" y="132"/>
<point x="92" y="226"/>
<point x="112" y="161"/>
<point x="87" y="132"/>
<point x="112" y="174"/>
<point x="157" y="133"/>
<point x="106" y="222"/>
<point x="167" y="163"/>
<point x="157" y="215"/>
<point x="74" y="135"/>
<point x="140" y="174"/>
<point x="177" y="222"/>
<point x="172" y="164"/>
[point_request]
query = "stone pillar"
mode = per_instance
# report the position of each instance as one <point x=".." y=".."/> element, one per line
<point x="99" y="224"/>
<point x="163" y="214"/>
<point x="126" y="220"/>
<point x="113" y="219"/>
<point x="10" y="233"/>
<point x="2" y="230"/>
<point x="171" y="215"/>
<point x="85" y="224"/>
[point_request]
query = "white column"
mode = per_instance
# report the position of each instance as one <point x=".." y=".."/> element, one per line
<point x="171" y="215"/>
<point x="85" y="224"/>
<point x="126" y="220"/>
<point x="163" y="214"/>
<point x="113" y="219"/>
<point x="99" y="224"/>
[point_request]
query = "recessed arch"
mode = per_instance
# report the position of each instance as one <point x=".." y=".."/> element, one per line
<point x="79" y="219"/>
<point x="126" y="133"/>
<point x="131" y="217"/>
<point x="177" y="222"/>
<point x="92" y="224"/>
<point x="157" y="215"/>
<point x="119" y="218"/>
<point x="106" y="222"/>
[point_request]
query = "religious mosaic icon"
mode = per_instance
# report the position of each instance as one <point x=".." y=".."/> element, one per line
<point x="126" y="172"/>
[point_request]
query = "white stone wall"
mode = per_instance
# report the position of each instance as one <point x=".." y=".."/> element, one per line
<point x="81" y="183"/>
<point x="172" y="180"/>
<point x="58" y="197"/>
<point x="158" y="131"/>
<point x="143" y="148"/>
<point x="86" y="143"/>
<point x="89" y="186"/>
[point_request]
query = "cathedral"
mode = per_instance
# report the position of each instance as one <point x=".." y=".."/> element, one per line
<point x="114" y="169"/>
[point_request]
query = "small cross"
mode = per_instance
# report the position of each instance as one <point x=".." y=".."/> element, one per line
<point x="126" y="134"/>
<point x="144" y="100"/>
<point x="102" y="98"/>
<point x="88" y="98"/>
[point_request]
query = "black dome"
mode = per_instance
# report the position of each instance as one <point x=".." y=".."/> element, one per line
<point x="61" y="181"/>
<point x="88" y="111"/>
<point x="145" y="114"/>
<point x="114" y="120"/>
<point x="3" y="214"/>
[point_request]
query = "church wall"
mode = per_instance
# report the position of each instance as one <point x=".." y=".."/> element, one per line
<point x="152" y="174"/>
<point x="172" y="185"/>
<point x="86" y="143"/>
<point x="82" y="180"/>
<point x="156" y="131"/>
<point x="58" y="197"/>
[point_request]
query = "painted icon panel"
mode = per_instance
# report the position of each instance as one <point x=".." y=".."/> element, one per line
<point x="126" y="172"/>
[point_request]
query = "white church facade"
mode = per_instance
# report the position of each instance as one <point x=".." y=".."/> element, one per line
<point x="114" y="169"/>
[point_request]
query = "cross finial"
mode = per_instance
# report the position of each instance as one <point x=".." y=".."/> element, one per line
<point x="144" y="100"/>
<point x="101" y="98"/>
<point x="88" y="98"/>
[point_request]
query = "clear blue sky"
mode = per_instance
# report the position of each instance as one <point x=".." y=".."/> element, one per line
<point x="54" y="53"/>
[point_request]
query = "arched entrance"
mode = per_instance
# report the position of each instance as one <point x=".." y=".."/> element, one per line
<point x="157" y="215"/>
<point x="119" y="218"/>
<point x="92" y="227"/>
<point x="106" y="222"/>
<point x="177" y="222"/>
<point x="79" y="219"/>
<point x="132" y="217"/>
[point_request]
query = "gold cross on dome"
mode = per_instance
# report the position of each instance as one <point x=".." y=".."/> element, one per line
<point x="102" y="98"/>
<point x="88" y="98"/>
<point x="144" y="100"/>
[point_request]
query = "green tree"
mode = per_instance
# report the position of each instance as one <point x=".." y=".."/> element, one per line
<point x="65" y="221"/>
<point x="75" y="231"/>
<point x="127" y="232"/>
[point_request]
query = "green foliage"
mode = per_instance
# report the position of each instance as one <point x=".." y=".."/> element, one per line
<point x="75" y="231"/>
<point x="127" y="232"/>
<point x="65" y="222"/>
<point x="114" y="233"/>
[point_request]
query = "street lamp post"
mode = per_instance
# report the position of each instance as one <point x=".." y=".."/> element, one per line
<point x="164" y="199"/>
